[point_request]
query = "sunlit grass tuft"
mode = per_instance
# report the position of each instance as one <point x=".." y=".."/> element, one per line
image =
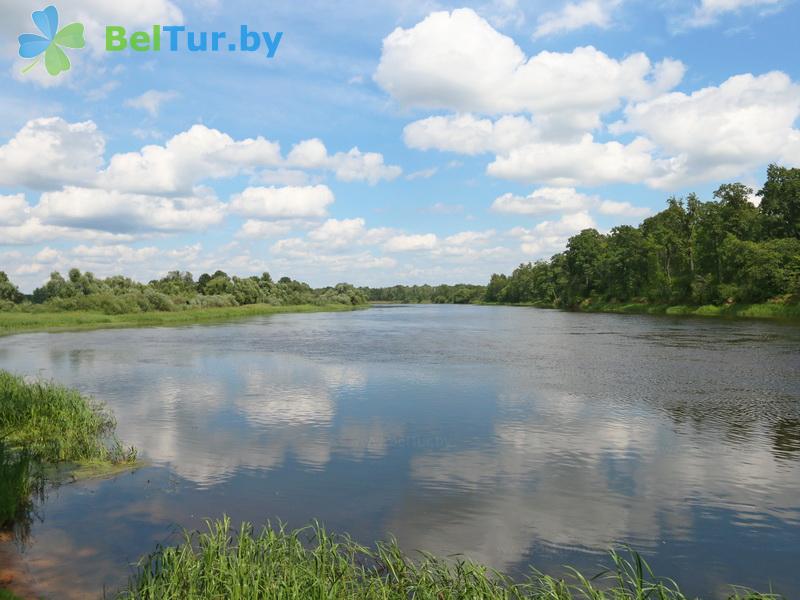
<point x="56" y="424"/>
<point x="310" y="563"/>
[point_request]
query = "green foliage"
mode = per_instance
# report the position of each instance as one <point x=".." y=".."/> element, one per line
<point x="757" y="271"/>
<point x="311" y="563"/>
<point x="175" y="283"/>
<point x="780" y="201"/>
<point x="341" y="293"/>
<point x="537" y="283"/>
<point x="8" y="291"/>
<point x="202" y="301"/>
<point x="415" y="294"/>
<point x="177" y="291"/>
<point x="693" y="253"/>
<point x="584" y="261"/>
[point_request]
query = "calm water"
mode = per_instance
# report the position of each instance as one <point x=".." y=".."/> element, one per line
<point x="512" y="435"/>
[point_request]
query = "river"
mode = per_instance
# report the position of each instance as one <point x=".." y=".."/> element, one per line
<point x="513" y="436"/>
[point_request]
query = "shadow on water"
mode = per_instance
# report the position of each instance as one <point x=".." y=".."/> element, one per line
<point x="786" y="438"/>
<point x="22" y="489"/>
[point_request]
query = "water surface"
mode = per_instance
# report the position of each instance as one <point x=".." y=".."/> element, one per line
<point x="515" y="436"/>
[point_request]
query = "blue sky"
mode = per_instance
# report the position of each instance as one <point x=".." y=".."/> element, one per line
<point x="387" y="141"/>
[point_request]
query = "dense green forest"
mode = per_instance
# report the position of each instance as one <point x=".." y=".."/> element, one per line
<point x="719" y="252"/>
<point x="723" y="251"/>
<point x="176" y="291"/>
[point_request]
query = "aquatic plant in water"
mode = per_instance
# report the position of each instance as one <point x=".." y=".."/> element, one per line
<point x="44" y="424"/>
<point x="57" y="424"/>
<point x="278" y="564"/>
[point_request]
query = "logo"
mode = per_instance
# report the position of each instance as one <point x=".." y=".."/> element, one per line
<point x="49" y="44"/>
<point x="177" y="37"/>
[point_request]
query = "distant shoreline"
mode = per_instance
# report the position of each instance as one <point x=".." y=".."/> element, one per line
<point x="14" y="322"/>
<point x="767" y="310"/>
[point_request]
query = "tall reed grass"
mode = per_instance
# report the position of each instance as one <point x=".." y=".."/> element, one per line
<point x="311" y="564"/>
<point x="16" y="485"/>
<point x="56" y="424"/>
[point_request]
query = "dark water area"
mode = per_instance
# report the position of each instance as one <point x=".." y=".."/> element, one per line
<point x="513" y="436"/>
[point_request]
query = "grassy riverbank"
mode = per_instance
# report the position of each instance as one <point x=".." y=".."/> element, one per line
<point x="48" y="433"/>
<point x="310" y="563"/>
<point x="56" y="424"/>
<point x="45" y="427"/>
<point x="767" y="310"/>
<point x="18" y="321"/>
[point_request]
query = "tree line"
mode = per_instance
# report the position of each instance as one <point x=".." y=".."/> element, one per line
<point x="723" y="251"/>
<point x="726" y="250"/>
<point x="176" y="291"/>
<point x="461" y="293"/>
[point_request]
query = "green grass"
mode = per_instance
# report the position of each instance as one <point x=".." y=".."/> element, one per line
<point x="6" y="595"/>
<point x="49" y="433"/>
<point x="18" y="321"/>
<point x="766" y="310"/>
<point x="56" y="424"/>
<point x="309" y="564"/>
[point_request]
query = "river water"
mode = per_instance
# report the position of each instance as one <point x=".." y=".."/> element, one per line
<point x="513" y="436"/>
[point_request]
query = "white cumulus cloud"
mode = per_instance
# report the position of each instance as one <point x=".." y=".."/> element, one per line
<point x="565" y="200"/>
<point x="49" y="152"/>
<point x="458" y="61"/>
<point x="186" y="159"/>
<point x="353" y="165"/>
<point x="338" y="232"/>
<point x="543" y="201"/>
<point x="14" y="210"/>
<point x="120" y="212"/>
<point x="284" y="202"/>
<point x="411" y="242"/>
<point x="471" y="135"/>
<point x="585" y="162"/>
<point x="721" y="131"/>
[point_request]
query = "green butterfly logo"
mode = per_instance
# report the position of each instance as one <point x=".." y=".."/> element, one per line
<point x="32" y="45"/>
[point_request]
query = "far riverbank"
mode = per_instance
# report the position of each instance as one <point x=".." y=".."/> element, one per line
<point x="12" y="322"/>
